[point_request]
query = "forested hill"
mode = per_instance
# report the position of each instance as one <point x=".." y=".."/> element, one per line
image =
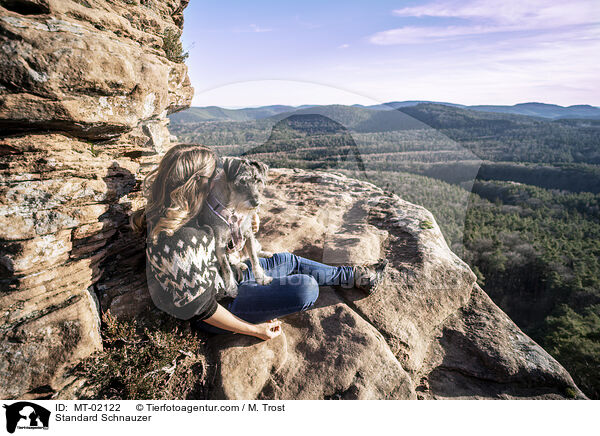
<point x="214" y="113"/>
<point x="553" y="154"/>
<point x="514" y="138"/>
<point x="538" y="110"/>
<point x="491" y="136"/>
<point x="544" y="110"/>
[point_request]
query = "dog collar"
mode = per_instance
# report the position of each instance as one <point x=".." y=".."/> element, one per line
<point x="233" y="220"/>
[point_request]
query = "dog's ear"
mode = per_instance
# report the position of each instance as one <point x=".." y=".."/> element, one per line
<point x="262" y="167"/>
<point x="231" y="167"/>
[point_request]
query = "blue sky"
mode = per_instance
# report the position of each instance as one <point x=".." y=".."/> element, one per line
<point x="462" y="51"/>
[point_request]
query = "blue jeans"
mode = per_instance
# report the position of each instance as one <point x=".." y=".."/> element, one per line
<point x="295" y="287"/>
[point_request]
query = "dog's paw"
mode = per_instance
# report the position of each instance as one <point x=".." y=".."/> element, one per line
<point x="238" y="270"/>
<point x="242" y="266"/>
<point x="231" y="290"/>
<point x="264" y="280"/>
<point x="230" y="280"/>
<point x="265" y="254"/>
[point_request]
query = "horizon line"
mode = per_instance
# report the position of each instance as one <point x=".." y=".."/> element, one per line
<point x="391" y="102"/>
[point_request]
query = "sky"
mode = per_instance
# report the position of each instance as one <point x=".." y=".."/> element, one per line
<point x="247" y="54"/>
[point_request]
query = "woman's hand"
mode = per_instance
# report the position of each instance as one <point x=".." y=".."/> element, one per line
<point x="268" y="330"/>
<point x="224" y="319"/>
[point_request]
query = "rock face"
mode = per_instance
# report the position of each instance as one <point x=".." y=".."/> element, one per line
<point x="84" y="90"/>
<point x="430" y="331"/>
<point x="85" y="87"/>
<point x="94" y="68"/>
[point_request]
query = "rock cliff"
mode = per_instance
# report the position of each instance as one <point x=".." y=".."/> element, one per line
<point x="85" y="87"/>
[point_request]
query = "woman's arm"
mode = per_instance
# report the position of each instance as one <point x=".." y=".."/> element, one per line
<point x="224" y="319"/>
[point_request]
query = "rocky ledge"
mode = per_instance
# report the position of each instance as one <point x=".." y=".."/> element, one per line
<point x="430" y="332"/>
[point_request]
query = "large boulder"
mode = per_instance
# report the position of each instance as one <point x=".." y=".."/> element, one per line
<point x="329" y="352"/>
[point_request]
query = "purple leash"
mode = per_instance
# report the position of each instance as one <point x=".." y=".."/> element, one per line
<point x="233" y="220"/>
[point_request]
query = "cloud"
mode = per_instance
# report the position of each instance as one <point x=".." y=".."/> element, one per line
<point x="483" y="17"/>
<point x="307" y="24"/>
<point x="257" y="29"/>
<point x="532" y="13"/>
<point x="551" y="66"/>
<point x="344" y="46"/>
<point x="415" y="35"/>
<point x="253" y="28"/>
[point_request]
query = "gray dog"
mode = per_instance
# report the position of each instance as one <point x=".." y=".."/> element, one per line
<point x="229" y="210"/>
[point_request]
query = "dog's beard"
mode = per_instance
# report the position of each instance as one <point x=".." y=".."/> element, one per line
<point x="244" y="208"/>
<point x="248" y="205"/>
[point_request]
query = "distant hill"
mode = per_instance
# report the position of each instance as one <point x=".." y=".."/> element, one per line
<point x="360" y="119"/>
<point x="544" y="110"/>
<point x="215" y="113"/>
<point x="514" y="138"/>
<point x="400" y="104"/>
<point x="498" y="137"/>
<point x="540" y="110"/>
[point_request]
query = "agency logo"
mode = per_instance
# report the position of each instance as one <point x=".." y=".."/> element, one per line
<point x="26" y="415"/>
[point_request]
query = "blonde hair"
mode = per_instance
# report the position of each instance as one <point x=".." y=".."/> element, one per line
<point x="175" y="190"/>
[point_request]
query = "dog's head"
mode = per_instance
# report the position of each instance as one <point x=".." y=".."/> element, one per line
<point x="246" y="179"/>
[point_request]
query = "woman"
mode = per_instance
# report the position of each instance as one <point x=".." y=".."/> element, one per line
<point x="182" y="268"/>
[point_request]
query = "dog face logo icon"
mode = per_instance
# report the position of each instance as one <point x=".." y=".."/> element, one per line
<point x="26" y="415"/>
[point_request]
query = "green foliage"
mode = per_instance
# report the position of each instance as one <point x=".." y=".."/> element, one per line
<point x="515" y="138"/>
<point x="570" y="393"/>
<point x="537" y="244"/>
<point x="143" y="363"/>
<point x="172" y="46"/>
<point x="426" y="224"/>
<point x="93" y="151"/>
<point x="574" y="339"/>
<point x="538" y="251"/>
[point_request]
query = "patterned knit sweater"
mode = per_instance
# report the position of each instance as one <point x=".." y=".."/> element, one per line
<point x="183" y="273"/>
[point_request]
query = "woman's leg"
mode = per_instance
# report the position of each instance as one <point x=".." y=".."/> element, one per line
<point x="295" y="287"/>
<point x="284" y="264"/>
<point x="259" y="303"/>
